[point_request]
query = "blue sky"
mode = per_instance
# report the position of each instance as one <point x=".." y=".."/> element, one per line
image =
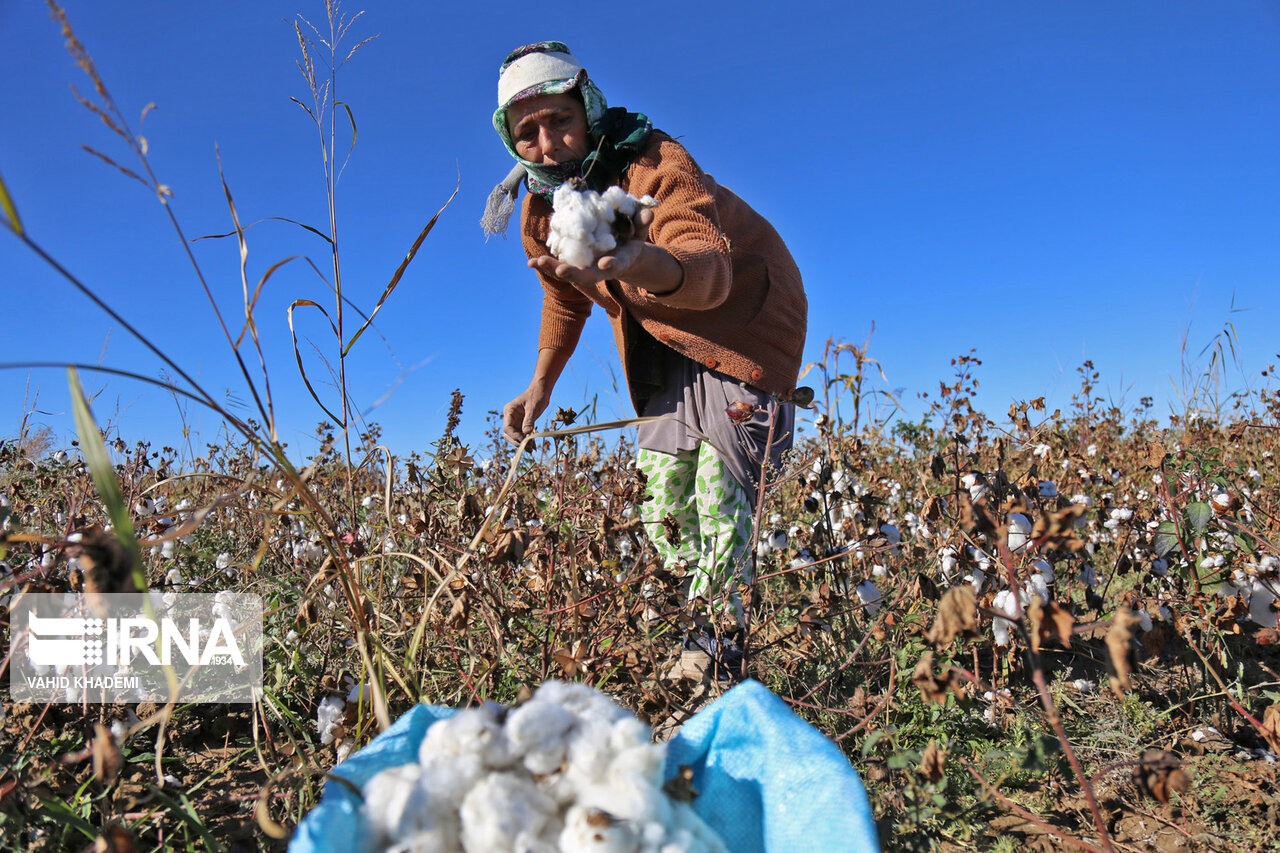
<point x="1045" y="182"/>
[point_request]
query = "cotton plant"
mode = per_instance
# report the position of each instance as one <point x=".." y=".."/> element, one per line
<point x="568" y="771"/>
<point x="583" y="221"/>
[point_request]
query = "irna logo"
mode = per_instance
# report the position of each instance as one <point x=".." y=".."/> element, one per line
<point x="62" y="642"/>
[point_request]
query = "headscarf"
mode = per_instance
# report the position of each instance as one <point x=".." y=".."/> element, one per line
<point x="619" y="136"/>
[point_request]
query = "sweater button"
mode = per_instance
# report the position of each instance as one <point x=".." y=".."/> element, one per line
<point x="665" y="337"/>
<point x="711" y="364"/>
<point x="757" y="375"/>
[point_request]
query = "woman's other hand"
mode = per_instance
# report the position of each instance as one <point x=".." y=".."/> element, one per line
<point x="520" y="416"/>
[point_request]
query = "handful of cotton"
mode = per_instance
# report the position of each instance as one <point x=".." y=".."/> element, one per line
<point x="586" y="224"/>
<point x="566" y="771"/>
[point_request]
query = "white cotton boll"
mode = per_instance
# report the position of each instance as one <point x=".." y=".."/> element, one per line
<point x="1048" y="489"/>
<point x="977" y="579"/>
<point x="430" y="841"/>
<point x="1089" y="576"/>
<point x="778" y="540"/>
<point x="386" y="796"/>
<point x="1261" y="596"/>
<point x="590" y="830"/>
<point x="879" y="571"/>
<point x="692" y="834"/>
<point x="1043" y="567"/>
<point x="1084" y="685"/>
<point x="1144" y="620"/>
<point x="870" y="596"/>
<point x="504" y="812"/>
<point x="329" y="716"/>
<point x="628" y="795"/>
<point x="1019" y="531"/>
<point x="1005" y="602"/>
<point x="947" y="564"/>
<point x="472" y="731"/>
<point x="536" y="731"/>
<point x="1041" y="450"/>
<point x="1037" y="585"/>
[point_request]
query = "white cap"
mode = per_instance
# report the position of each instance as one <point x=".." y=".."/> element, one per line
<point x="532" y="69"/>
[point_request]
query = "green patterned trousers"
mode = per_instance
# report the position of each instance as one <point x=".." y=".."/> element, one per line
<point x="700" y="515"/>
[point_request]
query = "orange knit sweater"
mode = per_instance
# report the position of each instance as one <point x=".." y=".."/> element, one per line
<point x="740" y="308"/>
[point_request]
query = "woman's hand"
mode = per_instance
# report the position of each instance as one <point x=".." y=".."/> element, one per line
<point x="638" y="261"/>
<point x="520" y="416"/>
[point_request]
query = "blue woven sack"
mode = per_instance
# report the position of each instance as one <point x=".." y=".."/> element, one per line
<point x="768" y="781"/>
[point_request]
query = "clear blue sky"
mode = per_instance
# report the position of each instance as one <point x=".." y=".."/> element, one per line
<point x="1045" y="182"/>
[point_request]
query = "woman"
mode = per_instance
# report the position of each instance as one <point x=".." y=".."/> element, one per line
<point x="706" y="303"/>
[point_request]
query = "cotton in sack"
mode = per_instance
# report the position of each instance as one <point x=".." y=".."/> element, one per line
<point x="767" y="780"/>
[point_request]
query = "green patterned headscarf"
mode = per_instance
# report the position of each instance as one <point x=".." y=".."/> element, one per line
<point x="618" y="136"/>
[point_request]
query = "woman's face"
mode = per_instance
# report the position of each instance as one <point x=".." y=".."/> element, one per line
<point x="549" y="129"/>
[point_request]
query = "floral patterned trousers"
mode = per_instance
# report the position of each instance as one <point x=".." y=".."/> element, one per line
<point x="698" y="515"/>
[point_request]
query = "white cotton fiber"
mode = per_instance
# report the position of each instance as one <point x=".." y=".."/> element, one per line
<point x="568" y="770"/>
<point x="582" y="222"/>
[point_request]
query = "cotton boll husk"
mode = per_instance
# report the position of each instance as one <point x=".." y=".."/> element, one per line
<point x="504" y="812"/>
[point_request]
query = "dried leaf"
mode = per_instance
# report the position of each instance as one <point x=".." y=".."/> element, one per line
<point x="1271" y="727"/>
<point x="934" y="507"/>
<point x="1049" y="621"/>
<point x="938" y="466"/>
<point x="107" y="760"/>
<point x="1058" y="529"/>
<point x="933" y="689"/>
<point x="933" y="763"/>
<point x="469" y="506"/>
<point x="457" y="617"/>
<point x="509" y="546"/>
<point x="975" y="518"/>
<point x="671" y="530"/>
<point x="1119" y="645"/>
<point x="1155" y="454"/>
<point x="957" y="614"/>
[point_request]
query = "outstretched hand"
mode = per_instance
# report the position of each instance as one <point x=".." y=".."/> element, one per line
<point x="635" y="259"/>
